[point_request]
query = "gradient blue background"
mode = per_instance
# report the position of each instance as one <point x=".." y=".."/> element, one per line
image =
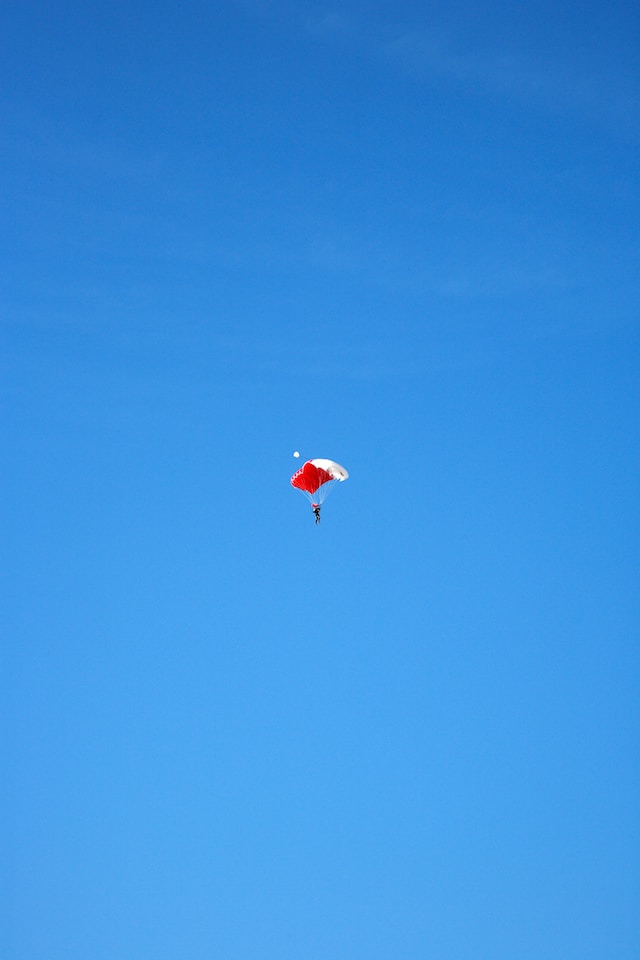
<point x="402" y="236"/>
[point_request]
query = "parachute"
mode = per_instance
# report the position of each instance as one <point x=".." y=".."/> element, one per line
<point x="316" y="479"/>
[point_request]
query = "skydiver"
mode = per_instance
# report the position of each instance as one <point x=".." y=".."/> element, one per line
<point x="316" y="512"/>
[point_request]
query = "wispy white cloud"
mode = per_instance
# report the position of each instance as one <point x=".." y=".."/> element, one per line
<point x="541" y="80"/>
<point x="364" y="360"/>
<point x="543" y="77"/>
<point x="331" y="24"/>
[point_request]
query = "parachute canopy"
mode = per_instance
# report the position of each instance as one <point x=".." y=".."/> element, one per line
<point x="316" y="479"/>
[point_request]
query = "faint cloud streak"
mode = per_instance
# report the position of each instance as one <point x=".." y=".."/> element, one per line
<point x="547" y="83"/>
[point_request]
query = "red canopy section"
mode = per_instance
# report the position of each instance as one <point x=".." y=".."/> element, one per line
<point x="309" y="478"/>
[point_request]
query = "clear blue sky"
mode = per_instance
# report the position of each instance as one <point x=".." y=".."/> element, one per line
<point x="398" y="235"/>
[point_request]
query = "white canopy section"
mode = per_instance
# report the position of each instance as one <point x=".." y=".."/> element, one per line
<point x="333" y="468"/>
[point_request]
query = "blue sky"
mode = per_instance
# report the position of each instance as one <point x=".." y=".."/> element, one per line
<point x="400" y="236"/>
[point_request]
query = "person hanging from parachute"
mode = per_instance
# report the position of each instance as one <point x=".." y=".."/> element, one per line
<point x="316" y="479"/>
